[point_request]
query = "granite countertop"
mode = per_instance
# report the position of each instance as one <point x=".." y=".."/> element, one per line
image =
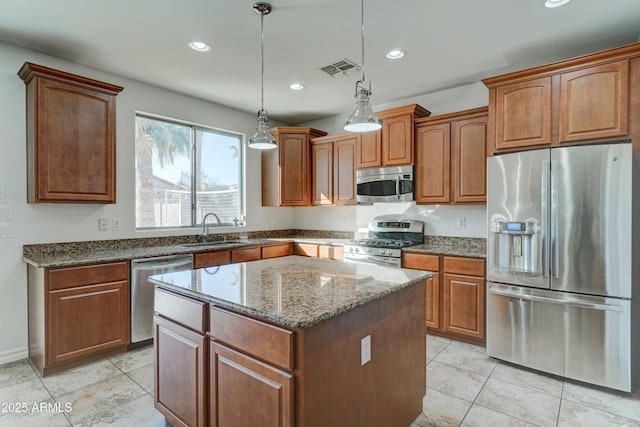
<point x="293" y="291"/>
<point x="456" y="246"/>
<point x="93" y="254"/>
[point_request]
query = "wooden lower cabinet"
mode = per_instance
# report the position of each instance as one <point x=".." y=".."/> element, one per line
<point x="455" y="295"/>
<point x="77" y="314"/>
<point x="319" y="251"/>
<point x="211" y="259"/>
<point x="245" y="392"/>
<point x="274" y="251"/>
<point x="245" y="254"/>
<point x="180" y="366"/>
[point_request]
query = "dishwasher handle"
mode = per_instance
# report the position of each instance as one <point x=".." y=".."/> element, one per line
<point x="169" y="262"/>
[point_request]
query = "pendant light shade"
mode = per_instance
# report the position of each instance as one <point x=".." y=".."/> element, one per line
<point x="262" y="139"/>
<point x="362" y="118"/>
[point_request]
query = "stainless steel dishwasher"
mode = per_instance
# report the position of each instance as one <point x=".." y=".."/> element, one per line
<point x="142" y="293"/>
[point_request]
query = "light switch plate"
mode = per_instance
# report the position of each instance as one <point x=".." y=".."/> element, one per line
<point x="365" y="350"/>
<point x="115" y="224"/>
<point x="3" y="194"/>
<point x="103" y="224"/>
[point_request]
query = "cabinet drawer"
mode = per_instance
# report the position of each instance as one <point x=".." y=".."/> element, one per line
<point x="61" y="278"/>
<point x="330" y="252"/>
<point x="420" y="261"/>
<point x="306" y="249"/>
<point x="466" y="266"/>
<point x="267" y="342"/>
<point x="275" y="251"/>
<point x="186" y="311"/>
<point x="211" y="259"/>
<point x="245" y="254"/>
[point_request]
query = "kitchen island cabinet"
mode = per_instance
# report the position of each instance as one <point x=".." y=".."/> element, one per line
<point x="284" y="344"/>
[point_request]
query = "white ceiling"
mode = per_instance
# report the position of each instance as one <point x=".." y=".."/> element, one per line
<point x="448" y="42"/>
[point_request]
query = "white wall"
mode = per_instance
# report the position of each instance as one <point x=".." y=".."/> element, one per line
<point x="442" y="220"/>
<point x="44" y="223"/>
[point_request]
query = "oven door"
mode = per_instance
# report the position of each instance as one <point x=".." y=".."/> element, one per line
<point x="373" y="259"/>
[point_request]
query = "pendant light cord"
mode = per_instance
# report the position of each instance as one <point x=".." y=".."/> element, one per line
<point x="362" y="35"/>
<point x="262" y="61"/>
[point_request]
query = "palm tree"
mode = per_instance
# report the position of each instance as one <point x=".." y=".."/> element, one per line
<point x="169" y="141"/>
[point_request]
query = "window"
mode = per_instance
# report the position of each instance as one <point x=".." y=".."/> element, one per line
<point x="184" y="171"/>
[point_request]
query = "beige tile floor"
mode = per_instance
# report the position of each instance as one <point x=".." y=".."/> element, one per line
<point x="464" y="388"/>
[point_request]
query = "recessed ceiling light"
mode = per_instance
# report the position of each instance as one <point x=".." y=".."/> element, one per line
<point x="555" y="3"/>
<point x="296" y="86"/>
<point x="199" y="46"/>
<point x="395" y="54"/>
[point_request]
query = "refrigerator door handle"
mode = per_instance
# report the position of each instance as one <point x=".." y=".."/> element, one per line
<point x="554" y="221"/>
<point x="558" y="301"/>
<point x="544" y="217"/>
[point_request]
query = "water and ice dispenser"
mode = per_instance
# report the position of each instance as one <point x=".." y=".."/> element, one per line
<point x="515" y="246"/>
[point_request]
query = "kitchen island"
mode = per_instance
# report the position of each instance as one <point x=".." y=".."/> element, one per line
<point x="290" y="341"/>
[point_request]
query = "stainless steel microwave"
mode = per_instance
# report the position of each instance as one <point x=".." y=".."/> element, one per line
<point x="388" y="184"/>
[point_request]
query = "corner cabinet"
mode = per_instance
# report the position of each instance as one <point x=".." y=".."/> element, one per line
<point x="333" y="163"/>
<point x="285" y="170"/>
<point x="77" y="314"/>
<point x="71" y="137"/>
<point x="451" y="157"/>
<point x="580" y="100"/>
<point x="393" y="144"/>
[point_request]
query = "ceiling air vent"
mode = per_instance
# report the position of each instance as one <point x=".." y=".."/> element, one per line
<point x="340" y="68"/>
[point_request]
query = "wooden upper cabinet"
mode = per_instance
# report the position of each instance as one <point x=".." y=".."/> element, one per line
<point x="333" y="164"/>
<point x="393" y="144"/>
<point x="451" y="157"/>
<point x="344" y="169"/>
<point x="369" y="150"/>
<point x="286" y="175"/>
<point x="322" y="173"/>
<point x="523" y="114"/>
<point x="594" y="102"/>
<point x="469" y="160"/>
<point x="580" y="100"/>
<point x="433" y="163"/>
<point x="71" y="137"/>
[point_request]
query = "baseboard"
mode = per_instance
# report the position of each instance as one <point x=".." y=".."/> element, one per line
<point x="13" y="355"/>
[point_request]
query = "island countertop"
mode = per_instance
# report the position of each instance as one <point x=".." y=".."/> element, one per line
<point x="293" y="291"/>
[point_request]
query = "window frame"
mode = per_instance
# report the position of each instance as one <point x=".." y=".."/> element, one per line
<point x="194" y="173"/>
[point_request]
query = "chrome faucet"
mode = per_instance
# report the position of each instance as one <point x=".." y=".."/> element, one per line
<point x="205" y="229"/>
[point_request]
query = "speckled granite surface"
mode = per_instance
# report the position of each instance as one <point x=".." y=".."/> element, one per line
<point x="471" y="247"/>
<point x="292" y="291"/>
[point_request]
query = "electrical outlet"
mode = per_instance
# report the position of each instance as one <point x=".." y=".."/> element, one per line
<point x="115" y="224"/>
<point x="103" y="224"/>
<point x="462" y="222"/>
<point x="3" y="195"/>
<point x="6" y="213"/>
<point x="365" y="350"/>
<point x="6" y="230"/>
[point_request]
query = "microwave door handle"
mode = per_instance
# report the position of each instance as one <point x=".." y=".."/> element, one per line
<point x="398" y="187"/>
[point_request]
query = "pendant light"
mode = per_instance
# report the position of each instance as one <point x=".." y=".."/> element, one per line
<point x="362" y="118"/>
<point x="262" y="139"/>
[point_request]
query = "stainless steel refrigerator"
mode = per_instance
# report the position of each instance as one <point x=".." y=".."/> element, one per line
<point x="559" y="285"/>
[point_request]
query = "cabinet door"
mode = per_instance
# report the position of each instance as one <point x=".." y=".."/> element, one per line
<point x="434" y="159"/>
<point x="469" y="160"/>
<point x="245" y="254"/>
<point x="86" y="320"/>
<point x="274" y="251"/>
<point x="180" y="361"/>
<point x="369" y="150"/>
<point x="344" y="170"/>
<point x="73" y="153"/>
<point x="211" y="259"/>
<point x="397" y="140"/>
<point x="433" y="302"/>
<point x="306" y="249"/>
<point x="245" y="392"/>
<point x="464" y="305"/>
<point x="523" y="114"/>
<point x="322" y="173"/>
<point x="294" y="179"/>
<point x="594" y="102"/>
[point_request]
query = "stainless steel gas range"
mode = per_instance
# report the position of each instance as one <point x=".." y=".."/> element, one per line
<point x="387" y="236"/>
